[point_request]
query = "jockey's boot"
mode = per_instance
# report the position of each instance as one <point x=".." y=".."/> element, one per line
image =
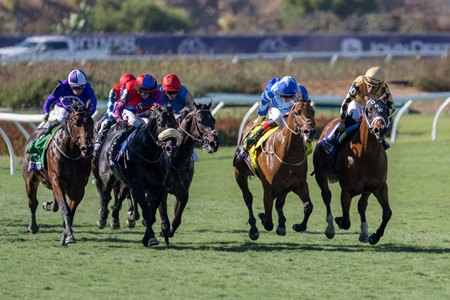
<point x="385" y="144"/>
<point x="102" y="133"/>
<point x="113" y="150"/>
<point x="330" y="144"/>
<point x="251" y="140"/>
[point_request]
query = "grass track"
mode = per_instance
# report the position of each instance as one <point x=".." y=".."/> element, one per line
<point x="211" y="256"/>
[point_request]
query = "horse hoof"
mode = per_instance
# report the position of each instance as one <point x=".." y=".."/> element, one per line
<point x="47" y="206"/>
<point x="373" y="239"/>
<point x="131" y="223"/>
<point x="299" y="227"/>
<point x="329" y="233"/>
<point x="152" y="242"/>
<point x="281" y="231"/>
<point x="101" y="224"/>
<point x="363" y="237"/>
<point x="253" y="234"/>
<point x="70" y="240"/>
<point x="33" y="229"/>
<point x="115" y="224"/>
<point x="340" y="222"/>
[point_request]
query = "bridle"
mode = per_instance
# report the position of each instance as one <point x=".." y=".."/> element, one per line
<point x="200" y="139"/>
<point x="379" y="115"/>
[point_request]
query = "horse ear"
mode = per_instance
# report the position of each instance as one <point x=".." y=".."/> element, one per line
<point x="210" y="104"/>
<point x="88" y="104"/>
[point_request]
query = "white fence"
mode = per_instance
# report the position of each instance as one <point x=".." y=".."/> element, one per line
<point x="221" y="100"/>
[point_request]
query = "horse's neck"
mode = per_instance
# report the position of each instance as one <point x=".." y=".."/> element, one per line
<point x="368" y="141"/>
<point x="289" y="143"/>
<point x="65" y="142"/>
<point x="144" y="142"/>
<point x="186" y="147"/>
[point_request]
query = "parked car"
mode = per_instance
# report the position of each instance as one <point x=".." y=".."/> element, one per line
<point x="48" y="47"/>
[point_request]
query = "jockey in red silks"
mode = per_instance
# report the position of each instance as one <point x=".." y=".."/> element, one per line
<point x="114" y="96"/>
<point x="137" y="96"/>
<point x="75" y="89"/>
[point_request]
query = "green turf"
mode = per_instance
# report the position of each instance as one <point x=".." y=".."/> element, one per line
<point x="211" y="256"/>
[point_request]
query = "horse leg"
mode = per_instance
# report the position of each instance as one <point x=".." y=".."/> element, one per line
<point x="322" y="182"/>
<point x="266" y="217"/>
<point x="383" y="198"/>
<point x="50" y="206"/>
<point x="302" y="192"/>
<point x="73" y="204"/>
<point x="279" y="204"/>
<point x="65" y="214"/>
<point x="138" y="193"/>
<point x="133" y="212"/>
<point x="362" y="206"/>
<point x="31" y="185"/>
<point x="180" y="204"/>
<point x="157" y="199"/>
<point x="242" y="181"/>
<point x="344" y="221"/>
<point x="165" y="222"/>
<point x="104" y="191"/>
<point x="115" y="209"/>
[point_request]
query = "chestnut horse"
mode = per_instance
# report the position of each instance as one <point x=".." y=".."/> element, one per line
<point x="282" y="162"/>
<point x="361" y="166"/>
<point x="68" y="158"/>
<point x="197" y="130"/>
<point x="143" y="168"/>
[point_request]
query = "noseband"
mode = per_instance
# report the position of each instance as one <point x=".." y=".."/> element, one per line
<point x="380" y="114"/>
<point x="298" y="130"/>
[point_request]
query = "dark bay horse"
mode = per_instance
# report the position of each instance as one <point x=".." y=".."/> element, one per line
<point x="68" y="160"/>
<point x="197" y="130"/>
<point x="283" y="166"/>
<point x="143" y="168"/>
<point x="361" y="167"/>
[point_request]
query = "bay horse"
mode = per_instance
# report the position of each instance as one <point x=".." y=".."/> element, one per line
<point x="197" y="130"/>
<point x="361" y="166"/>
<point x="68" y="159"/>
<point x="282" y="162"/>
<point x="143" y="168"/>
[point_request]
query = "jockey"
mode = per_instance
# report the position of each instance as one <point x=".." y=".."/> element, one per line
<point x="114" y="95"/>
<point x="137" y="96"/>
<point x="370" y="85"/>
<point x="176" y="95"/>
<point x="75" y="89"/>
<point x="279" y="93"/>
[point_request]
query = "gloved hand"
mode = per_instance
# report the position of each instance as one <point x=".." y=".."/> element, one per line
<point x="46" y="117"/>
<point x="122" y="123"/>
<point x="258" y="120"/>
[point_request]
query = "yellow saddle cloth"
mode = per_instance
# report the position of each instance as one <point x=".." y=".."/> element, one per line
<point x="252" y="151"/>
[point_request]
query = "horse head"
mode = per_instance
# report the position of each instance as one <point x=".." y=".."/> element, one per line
<point x="80" y="127"/>
<point x="301" y="120"/>
<point x="165" y="129"/>
<point x="199" y="125"/>
<point x="376" y="114"/>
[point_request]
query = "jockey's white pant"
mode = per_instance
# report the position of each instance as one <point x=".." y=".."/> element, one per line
<point x="275" y="115"/>
<point x="58" y="114"/>
<point x="355" y="110"/>
<point x="132" y="119"/>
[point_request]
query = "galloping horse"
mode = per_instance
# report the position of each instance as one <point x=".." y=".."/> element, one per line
<point x="282" y="162"/>
<point x="68" y="160"/>
<point x="197" y="129"/>
<point x="144" y="168"/>
<point x="361" y="167"/>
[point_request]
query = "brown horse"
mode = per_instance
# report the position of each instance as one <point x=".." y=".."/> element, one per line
<point x="283" y="166"/>
<point x="361" y="166"/>
<point x="68" y="160"/>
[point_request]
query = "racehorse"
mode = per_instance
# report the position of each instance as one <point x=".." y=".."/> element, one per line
<point x="68" y="158"/>
<point x="197" y="129"/>
<point x="143" y="168"/>
<point x="361" y="166"/>
<point x="282" y="162"/>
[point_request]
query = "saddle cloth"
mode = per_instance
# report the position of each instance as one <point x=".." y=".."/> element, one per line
<point x="37" y="150"/>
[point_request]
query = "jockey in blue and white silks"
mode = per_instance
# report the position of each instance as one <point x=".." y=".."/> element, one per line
<point x="276" y="101"/>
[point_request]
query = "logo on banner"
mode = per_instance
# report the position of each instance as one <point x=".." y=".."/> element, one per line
<point x="193" y="45"/>
<point x="352" y="45"/>
<point x="274" y="44"/>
